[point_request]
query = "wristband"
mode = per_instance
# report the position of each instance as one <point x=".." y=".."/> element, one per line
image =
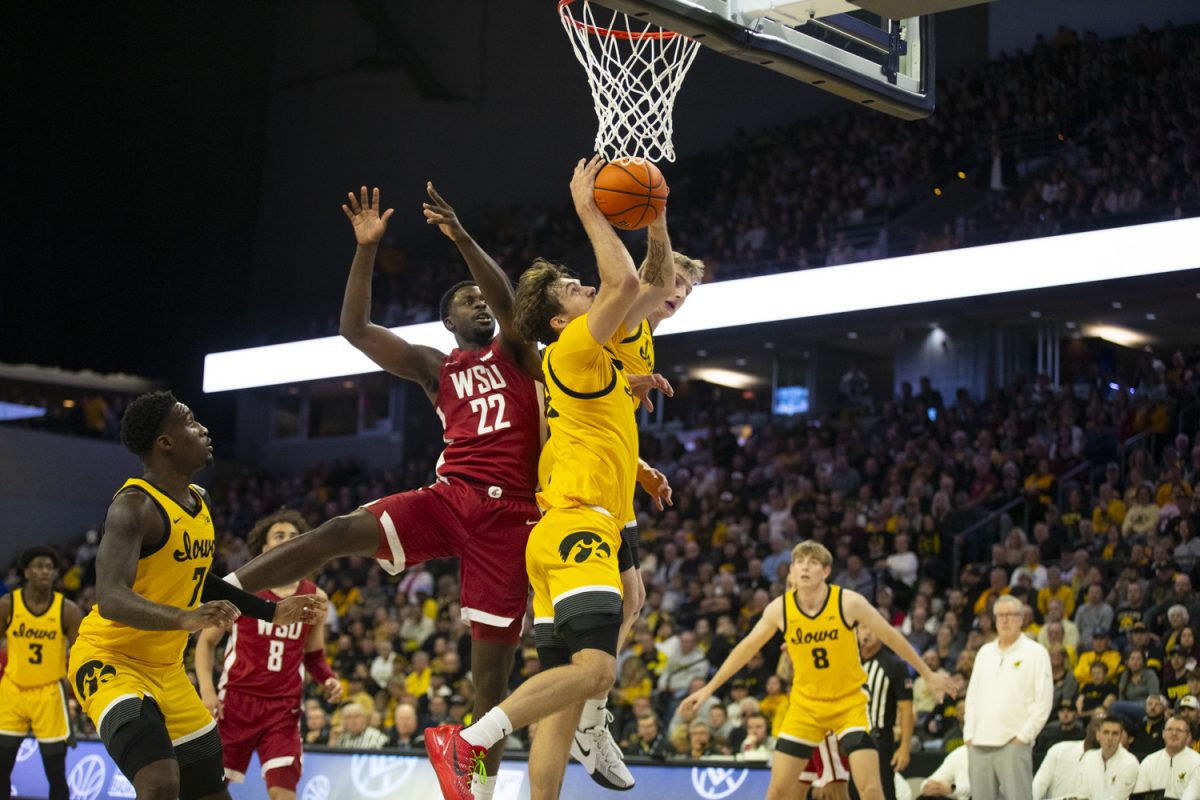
<point x="249" y="604"/>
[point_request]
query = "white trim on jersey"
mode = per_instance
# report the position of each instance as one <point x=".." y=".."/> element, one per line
<point x="230" y="660"/>
<point x="109" y="707"/>
<point x="273" y="763"/>
<point x="483" y="617"/>
<point x="396" y="565"/>
<point x="196" y="734"/>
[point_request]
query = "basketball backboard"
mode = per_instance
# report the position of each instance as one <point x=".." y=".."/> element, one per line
<point x="878" y="53"/>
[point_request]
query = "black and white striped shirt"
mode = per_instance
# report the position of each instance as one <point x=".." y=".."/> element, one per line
<point x="888" y="682"/>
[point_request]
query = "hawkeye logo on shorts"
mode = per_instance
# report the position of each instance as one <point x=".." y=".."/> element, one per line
<point x="89" y="677"/>
<point x="587" y="542"/>
<point x="192" y="550"/>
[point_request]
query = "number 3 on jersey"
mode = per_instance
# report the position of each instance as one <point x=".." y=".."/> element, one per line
<point x="484" y="405"/>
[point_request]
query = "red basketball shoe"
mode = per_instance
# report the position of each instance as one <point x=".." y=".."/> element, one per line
<point x="454" y="760"/>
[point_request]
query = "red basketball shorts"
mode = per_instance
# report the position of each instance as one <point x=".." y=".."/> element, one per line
<point x="267" y="724"/>
<point x="486" y="533"/>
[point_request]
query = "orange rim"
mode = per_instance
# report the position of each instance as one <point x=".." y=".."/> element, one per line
<point x="598" y="31"/>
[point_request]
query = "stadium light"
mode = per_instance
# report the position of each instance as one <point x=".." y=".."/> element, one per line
<point x="1132" y="251"/>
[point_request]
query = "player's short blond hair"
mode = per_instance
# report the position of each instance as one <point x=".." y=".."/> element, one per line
<point x="815" y="550"/>
<point x="693" y="266"/>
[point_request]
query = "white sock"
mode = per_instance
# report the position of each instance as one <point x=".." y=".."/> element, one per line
<point x="483" y="790"/>
<point x="491" y="728"/>
<point x="593" y="713"/>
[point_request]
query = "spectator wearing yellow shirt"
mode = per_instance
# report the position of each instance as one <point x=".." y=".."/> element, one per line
<point x="1109" y="510"/>
<point x="998" y="579"/>
<point x="417" y="680"/>
<point x="1142" y="517"/>
<point x="346" y="596"/>
<point x="1173" y="480"/>
<point x="774" y="705"/>
<point x="1040" y="484"/>
<point x="1055" y="589"/>
<point x="1102" y="650"/>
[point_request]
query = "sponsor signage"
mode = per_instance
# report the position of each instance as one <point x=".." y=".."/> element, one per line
<point x="92" y="775"/>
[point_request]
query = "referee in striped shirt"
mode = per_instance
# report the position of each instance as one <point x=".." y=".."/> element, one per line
<point x="890" y="697"/>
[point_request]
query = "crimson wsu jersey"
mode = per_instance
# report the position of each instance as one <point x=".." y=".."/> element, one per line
<point x="265" y="659"/>
<point x="491" y="413"/>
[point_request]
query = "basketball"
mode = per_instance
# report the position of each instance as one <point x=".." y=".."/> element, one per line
<point x="631" y="193"/>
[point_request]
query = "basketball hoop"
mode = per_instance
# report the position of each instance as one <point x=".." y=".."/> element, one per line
<point x="634" y="70"/>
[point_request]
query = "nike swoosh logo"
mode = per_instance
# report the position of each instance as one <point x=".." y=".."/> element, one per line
<point x="532" y="521"/>
<point x="585" y="756"/>
<point x="176" y="520"/>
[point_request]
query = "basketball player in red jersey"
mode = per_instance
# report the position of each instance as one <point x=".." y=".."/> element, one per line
<point x="481" y="508"/>
<point x="257" y="705"/>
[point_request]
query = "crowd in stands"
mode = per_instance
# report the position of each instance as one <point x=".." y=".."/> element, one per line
<point x="75" y="412"/>
<point x="1078" y="133"/>
<point x="1097" y="538"/>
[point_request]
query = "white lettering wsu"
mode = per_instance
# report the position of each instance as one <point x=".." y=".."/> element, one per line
<point x="479" y="379"/>
<point x="292" y="631"/>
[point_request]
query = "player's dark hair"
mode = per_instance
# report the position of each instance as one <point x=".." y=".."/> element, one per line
<point x="37" y="552"/>
<point x="448" y="298"/>
<point x="144" y="420"/>
<point x="258" y="534"/>
<point x="536" y="303"/>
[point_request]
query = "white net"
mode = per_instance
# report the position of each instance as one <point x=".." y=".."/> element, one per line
<point x="634" y="70"/>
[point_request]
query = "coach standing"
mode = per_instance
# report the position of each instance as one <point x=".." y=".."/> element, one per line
<point x="1008" y="703"/>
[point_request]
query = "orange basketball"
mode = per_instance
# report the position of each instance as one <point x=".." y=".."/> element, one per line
<point x="631" y="193"/>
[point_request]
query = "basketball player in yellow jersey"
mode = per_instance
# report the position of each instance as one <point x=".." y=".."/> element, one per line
<point x="152" y="590"/>
<point x="818" y="623"/>
<point x="39" y="623"/>
<point x="636" y="353"/>
<point x="571" y="555"/>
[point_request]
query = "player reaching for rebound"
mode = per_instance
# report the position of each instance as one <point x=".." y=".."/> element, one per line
<point x="257" y="704"/>
<point x="39" y="623"/>
<point x="587" y="473"/>
<point x="593" y="745"/>
<point x="818" y="622"/>
<point x="153" y="588"/>
<point x="481" y="508"/>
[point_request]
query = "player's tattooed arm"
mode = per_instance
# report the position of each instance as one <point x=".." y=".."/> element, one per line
<point x="416" y="363"/>
<point x="656" y="277"/>
<point x="133" y="522"/>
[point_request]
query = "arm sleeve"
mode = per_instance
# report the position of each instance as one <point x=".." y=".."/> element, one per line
<point x="317" y="666"/>
<point x="249" y="604"/>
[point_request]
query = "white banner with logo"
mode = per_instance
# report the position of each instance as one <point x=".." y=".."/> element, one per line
<point x="92" y="775"/>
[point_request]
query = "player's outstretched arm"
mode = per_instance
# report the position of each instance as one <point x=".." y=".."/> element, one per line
<point x="205" y="658"/>
<point x="404" y="360"/>
<point x="495" y="286"/>
<point x="132" y="521"/>
<point x="314" y="660"/>
<point x="770" y="624"/>
<point x="657" y="274"/>
<point x="618" y="278"/>
<point x="861" y="612"/>
<point x="655" y="484"/>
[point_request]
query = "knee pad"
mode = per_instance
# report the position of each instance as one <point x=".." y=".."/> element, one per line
<point x="137" y="735"/>
<point x="203" y="777"/>
<point x="856" y="740"/>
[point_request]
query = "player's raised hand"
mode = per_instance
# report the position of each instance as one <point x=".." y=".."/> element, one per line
<point x="642" y="385"/>
<point x="213" y="614"/>
<point x="333" y="690"/>
<point x="364" y="214"/>
<point x="440" y="213"/>
<point x="306" y="608"/>
<point x="655" y="484"/>
<point x="583" y="184"/>
<point x="691" y="703"/>
<point x="940" y="685"/>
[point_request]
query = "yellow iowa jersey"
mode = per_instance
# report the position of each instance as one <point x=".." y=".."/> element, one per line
<point x="37" y="643"/>
<point x="824" y="651"/>
<point x="590" y="458"/>
<point x="170" y="572"/>
<point x="636" y="352"/>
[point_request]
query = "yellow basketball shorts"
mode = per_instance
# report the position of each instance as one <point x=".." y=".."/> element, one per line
<point x="807" y="721"/>
<point x="103" y="680"/>
<point x="571" y="558"/>
<point x="40" y="709"/>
